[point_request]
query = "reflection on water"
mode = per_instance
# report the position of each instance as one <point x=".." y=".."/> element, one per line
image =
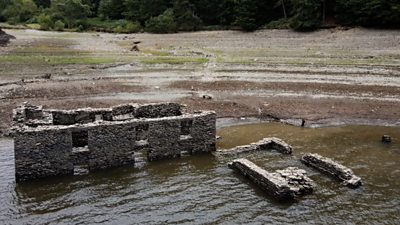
<point x="202" y="189"/>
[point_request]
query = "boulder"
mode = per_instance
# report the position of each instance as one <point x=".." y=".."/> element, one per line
<point x="5" y="38"/>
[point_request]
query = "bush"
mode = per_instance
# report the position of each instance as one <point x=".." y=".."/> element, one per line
<point x="278" y="24"/>
<point x="19" y="11"/>
<point x="45" y="22"/>
<point x="163" y="23"/>
<point x="119" y="29"/>
<point x="116" y="26"/>
<point x="59" y="25"/>
<point x="133" y="27"/>
<point x="185" y="17"/>
<point x="128" y="27"/>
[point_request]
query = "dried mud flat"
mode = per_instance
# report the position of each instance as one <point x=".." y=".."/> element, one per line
<point x="325" y="77"/>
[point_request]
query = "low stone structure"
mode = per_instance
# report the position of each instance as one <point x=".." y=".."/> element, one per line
<point x="54" y="142"/>
<point x="332" y="168"/>
<point x="264" y="144"/>
<point x="297" y="179"/>
<point x="283" y="185"/>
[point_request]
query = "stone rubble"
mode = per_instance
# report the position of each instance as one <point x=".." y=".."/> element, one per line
<point x="332" y="168"/>
<point x="297" y="179"/>
<point x="271" y="143"/>
<point x="283" y="185"/>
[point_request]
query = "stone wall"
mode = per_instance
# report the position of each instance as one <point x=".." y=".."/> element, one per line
<point x="43" y="153"/>
<point x="271" y="143"/>
<point x="332" y="168"/>
<point x="31" y="115"/>
<point x="284" y="185"/>
<point x="99" y="144"/>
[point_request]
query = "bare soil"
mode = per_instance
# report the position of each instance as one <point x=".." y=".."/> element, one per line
<point x="329" y="75"/>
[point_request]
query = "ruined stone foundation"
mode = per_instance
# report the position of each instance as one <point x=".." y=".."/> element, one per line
<point x="271" y="143"/>
<point x="283" y="185"/>
<point x="332" y="168"/>
<point x="57" y="142"/>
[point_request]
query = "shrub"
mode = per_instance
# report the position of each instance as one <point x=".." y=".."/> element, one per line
<point x="59" y="25"/>
<point x="45" y="22"/>
<point x="163" y="23"/>
<point x="133" y="27"/>
<point x="278" y="24"/>
<point x="19" y="11"/>
<point x="119" y="29"/>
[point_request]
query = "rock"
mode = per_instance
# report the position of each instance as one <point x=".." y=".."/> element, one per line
<point x="209" y="97"/>
<point x="135" y="48"/>
<point x="386" y="139"/>
<point x="332" y="168"/>
<point x="5" y="38"/>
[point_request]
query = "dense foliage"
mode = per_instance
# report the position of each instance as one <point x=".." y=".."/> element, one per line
<point x="166" y="16"/>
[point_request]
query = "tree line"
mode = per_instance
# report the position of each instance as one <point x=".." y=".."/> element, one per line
<point x="168" y="16"/>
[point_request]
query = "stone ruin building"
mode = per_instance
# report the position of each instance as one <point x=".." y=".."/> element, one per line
<point x="49" y="142"/>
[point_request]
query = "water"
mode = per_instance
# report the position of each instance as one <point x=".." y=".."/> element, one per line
<point x="203" y="190"/>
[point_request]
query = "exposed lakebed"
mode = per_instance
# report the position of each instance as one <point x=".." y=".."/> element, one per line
<point x="202" y="189"/>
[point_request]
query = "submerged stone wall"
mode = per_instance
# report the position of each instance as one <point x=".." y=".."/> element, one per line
<point x="272" y="143"/>
<point x="103" y="138"/>
<point x="283" y="185"/>
<point x="332" y="168"/>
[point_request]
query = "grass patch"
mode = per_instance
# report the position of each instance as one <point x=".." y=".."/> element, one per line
<point x="155" y="52"/>
<point x="34" y="26"/>
<point x="174" y="60"/>
<point x="59" y="60"/>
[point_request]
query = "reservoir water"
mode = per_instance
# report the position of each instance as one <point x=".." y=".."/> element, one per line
<point x="201" y="189"/>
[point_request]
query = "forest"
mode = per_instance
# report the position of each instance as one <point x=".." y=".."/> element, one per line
<point x="169" y="16"/>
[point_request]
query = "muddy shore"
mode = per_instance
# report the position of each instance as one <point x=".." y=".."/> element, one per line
<point x="327" y="77"/>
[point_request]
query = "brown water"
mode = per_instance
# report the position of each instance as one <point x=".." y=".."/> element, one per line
<point x="203" y="190"/>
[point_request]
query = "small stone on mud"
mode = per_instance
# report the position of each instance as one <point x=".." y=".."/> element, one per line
<point x="207" y="97"/>
<point x="386" y="139"/>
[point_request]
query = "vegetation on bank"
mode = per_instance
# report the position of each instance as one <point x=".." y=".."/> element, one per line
<point x="168" y="16"/>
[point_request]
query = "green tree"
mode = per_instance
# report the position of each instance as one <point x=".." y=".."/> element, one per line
<point x="111" y="9"/>
<point x="282" y="4"/>
<point x="42" y="3"/>
<point x="213" y="12"/>
<point x="19" y="10"/>
<point x="368" y="12"/>
<point x="246" y="16"/>
<point x="185" y="16"/>
<point x="142" y="10"/>
<point x="307" y="14"/>
<point x="45" y="21"/>
<point x="251" y="14"/>
<point x="94" y="6"/>
<point x="70" y="11"/>
<point x="163" y="23"/>
<point x="3" y="5"/>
